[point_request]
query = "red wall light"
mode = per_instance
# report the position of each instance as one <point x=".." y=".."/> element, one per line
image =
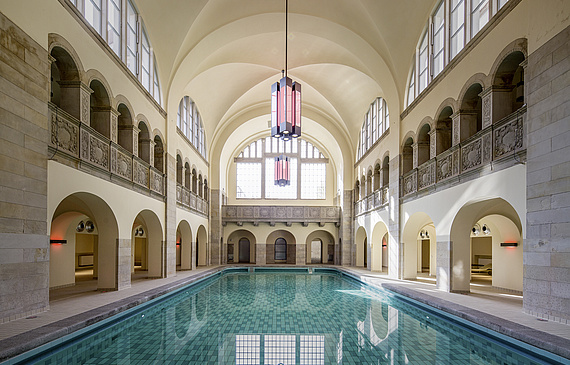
<point x="58" y="242"/>
<point x="509" y="244"/>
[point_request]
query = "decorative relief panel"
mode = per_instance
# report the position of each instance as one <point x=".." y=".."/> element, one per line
<point x="64" y="134"/>
<point x="508" y="138"/>
<point x="487" y="153"/>
<point x="456" y="129"/>
<point x="445" y="167"/>
<point x="455" y="161"/>
<point x="487" y="105"/>
<point x="426" y="175"/>
<point x="85" y="102"/>
<point x="114" y="123"/>
<point x="124" y="165"/>
<point x="156" y="182"/>
<point x="140" y="175"/>
<point x="471" y="155"/>
<point x="98" y="152"/>
<point x="278" y="214"/>
<point x="84" y="144"/>
<point x="410" y="183"/>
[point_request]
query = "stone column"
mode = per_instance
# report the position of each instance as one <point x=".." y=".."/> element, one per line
<point x="497" y="104"/>
<point x="443" y="264"/>
<point x="123" y="263"/>
<point x="170" y="245"/>
<point x="345" y="230"/>
<point x="260" y="253"/>
<point x="414" y="155"/>
<point x="395" y="256"/>
<point x="301" y="254"/>
<point x="216" y="228"/>
<point x="76" y="99"/>
<point x="432" y="143"/>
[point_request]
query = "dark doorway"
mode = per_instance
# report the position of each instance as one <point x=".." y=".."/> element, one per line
<point x="244" y="250"/>
<point x="280" y="249"/>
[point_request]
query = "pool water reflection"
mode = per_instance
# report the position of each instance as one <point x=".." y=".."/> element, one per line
<point x="284" y="318"/>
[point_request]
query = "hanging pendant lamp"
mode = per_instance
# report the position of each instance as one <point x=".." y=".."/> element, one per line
<point x="286" y="100"/>
<point x="282" y="171"/>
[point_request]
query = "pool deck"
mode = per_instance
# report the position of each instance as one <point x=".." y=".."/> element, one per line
<point x="77" y="307"/>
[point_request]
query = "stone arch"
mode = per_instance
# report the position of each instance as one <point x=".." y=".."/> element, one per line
<point x="65" y="88"/>
<point x="443" y="128"/>
<point x="201" y="247"/>
<point x="369" y="174"/>
<point x="149" y="241"/>
<point x="126" y="128"/>
<point x="377" y="169"/>
<point x="236" y="247"/>
<point x="410" y="241"/>
<point x="94" y="74"/>
<point x="291" y="246"/>
<point x="326" y="246"/>
<point x="56" y="40"/>
<point x="407" y="155"/>
<point x="376" y="247"/>
<point x="194" y="180"/>
<point x="471" y="112"/>
<point x="460" y="236"/>
<point x="105" y="264"/>
<point x="478" y="78"/>
<point x="184" y="251"/>
<point x="360" y="241"/>
<point x="386" y="170"/>
<point x="144" y="139"/>
<point x="423" y="143"/>
<point x="518" y="45"/>
<point x="508" y="85"/>
<point x="100" y="113"/>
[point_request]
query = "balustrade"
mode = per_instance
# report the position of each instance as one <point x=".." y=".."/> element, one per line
<point x="377" y="199"/>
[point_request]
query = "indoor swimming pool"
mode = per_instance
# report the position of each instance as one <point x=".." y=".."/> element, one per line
<point x="280" y="316"/>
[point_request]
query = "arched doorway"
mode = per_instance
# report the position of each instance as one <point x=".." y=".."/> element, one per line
<point x="201" y="247"/>
<point x="282" y="248"/>
<point x="361" y="247"/>
<point x="184" y="246"/>
<point x="237" y="250"/>
<point x="419" y="240"/>
<point x="320" y="247"/>
<point x="377" y="248"/>
<point x="244" y="250"/>
<point x="146" y="246"/>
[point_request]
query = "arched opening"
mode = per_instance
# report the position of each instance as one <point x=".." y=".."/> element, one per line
<point x="184" y="246"/>
<point x="504" y="226"/>
<point x="178" y="169"/>
<point x="100" y="109"/>
<point x="363" y="187"/>
<point x="320" y="247"/>
<point x="386" y="172"/>
<point x="200" y="185"/>
<point x="377" y="182"/>
<point x="419" y="240"/>
<point x="187" y="178"/>
<point x="282" y="248"/>
<point x="126" y="128"/>
<point x="241" y="247"/>
<point x="443" y="130"/>
<point x="407" y="156"/>
<point x="206" y="190"/>
<point x="357" y="190"/>
<point x="361" y="247"/>
<point x="146" y="245"/>
<point x="87" y="231"/>
<point x="65" y="92"/>
<point x="194" y="181"/>
<point x="471" y="112"/>
<point x="377" y="246"/>
<point x="158" y="154"/>
<point x="201" y="247"/>
<point x="369" y="182"/>
<point x="423" y="144"/>
<point x="144" y="143"/>
<point x="509" y="78"/>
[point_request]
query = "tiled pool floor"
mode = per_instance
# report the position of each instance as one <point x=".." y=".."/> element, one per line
<point x="71" y="307"/>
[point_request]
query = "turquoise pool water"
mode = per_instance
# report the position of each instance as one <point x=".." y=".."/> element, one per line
<point x="283" y="317"/>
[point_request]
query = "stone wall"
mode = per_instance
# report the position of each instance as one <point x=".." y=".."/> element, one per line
<point x="547" y="245"/>
<point x="24" y="244"/>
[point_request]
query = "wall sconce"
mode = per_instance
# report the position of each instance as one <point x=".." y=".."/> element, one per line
<point x="80" y="226"/>
<point x="476" y="229"/>
<point x="509" y="244"/>
<point x="139" y="232"/>
<point x="486" y="229"/>
<point x="89" y="226"/>
<point x="58" y="242"/>
<point x="424" y="234"/>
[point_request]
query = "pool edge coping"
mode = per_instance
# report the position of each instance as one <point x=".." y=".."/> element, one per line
<point x="13" y="347"/>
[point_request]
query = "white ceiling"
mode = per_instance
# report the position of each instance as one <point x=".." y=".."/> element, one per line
<point x="225" y="54"/>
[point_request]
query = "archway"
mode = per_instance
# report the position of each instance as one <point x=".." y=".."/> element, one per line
<point x="146" y="246"/>
<point x="99" y="249"/>
<point x="377" y="246"/>
<point x="65" y="91"/>
<point x="500" y="217"/>
<point x="201" y="247"/>
<point x="100" y="109"/>
<point x="419" y="240"/>
<point x="281" y="248"/>
<point x="236" y="245"/>
<point x="320" y="247"/>
<point x="361" y="247"/>
<point x="184" y="246"/>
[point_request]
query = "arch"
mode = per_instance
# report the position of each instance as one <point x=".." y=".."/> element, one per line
<point x="144" y="141"/>
<point x="200" y="185"/>
<point x="478" y="78"/>
<point x="56" y="40"/>
<point x="235" y="253"/>
<point x="460" y="236"/>
<point x="411" y="240"/>
<point x="471" y="112"/>
<point x="152" y="238"/>
<point x="201" y="247"/>
<point x="518" y="45"/>
<point x="291" y="244"/>
<point x="65" y="82"/>
<point x="205" y="196"/>
<point x="369" y="174"/>
<point x="326" y="248"/>
<point x="386" y="171"/>
<point x="125" y="125"/>
<point x="184" y="246"/>
<point x="377" y="182"/>
<point x="105" y="265"/>
<point x="187" y="178"/>
<point x="100" y="108"/>
<point x="194" y="181"/>
<point x="377" y="247"/>
<point x="158" y="154"/>
<point x="179" y="169"/>
<point x="508" y="85"/>
<point x="443" y="127"/>
<point x="360" y="242"/>
<point x="407" y="155"/>
<point x="423" y="143"/>
<point x="94" y="74"/>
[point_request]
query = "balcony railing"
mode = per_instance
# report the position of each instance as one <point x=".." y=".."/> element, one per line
<point x="272" y="214"/>
<point x="499" y="142"/>
<point x="190" y="200"/>
<point x="375" y="200"/>
<point x="87" y="149"/>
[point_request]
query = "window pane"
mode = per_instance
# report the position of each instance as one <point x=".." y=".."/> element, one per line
<point x="423" y="64"/>
<point x="248" y="180"/>
<point x="156" y="89"/>
<point x="312" y="349"/>
<point x="93" y="13"/>
<point x="479" y="15"/>
<point x="273" y="191"/>
<point x="145" y="77"/>
<point x="502" y="3"/>
<point x="387" y="118"/>
<point x="131" y="38"/>
<point x="259" y="148"/>
<point x="411" y="88"/>
<point x="457" y="39"/>
<point x="295" y="143"/>
<point x="313" y="180"/>
<point x="438" y="40"/>
<point x="114" y="26"/>
<point x="280" y="349"/>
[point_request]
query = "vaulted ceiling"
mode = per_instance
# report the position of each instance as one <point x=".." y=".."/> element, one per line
<point x="225" y="54"/>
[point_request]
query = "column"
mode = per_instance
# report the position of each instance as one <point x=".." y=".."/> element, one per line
<point x="216" y="226"/>
<point x="497" y="104"/>
<point x="170" y="245"/>
<point x="76" y="99"/>
<point x="345" y="230"/>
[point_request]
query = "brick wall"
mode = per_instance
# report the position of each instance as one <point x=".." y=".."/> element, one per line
<point x="547" y="244"/>
<point x="24" y="245"/>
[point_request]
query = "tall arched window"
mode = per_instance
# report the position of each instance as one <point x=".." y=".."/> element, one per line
<point x="376" y="123"/>
<point x="280" y="249"/>
<point x="255" y="170"/>
<point x="189" y="123"/>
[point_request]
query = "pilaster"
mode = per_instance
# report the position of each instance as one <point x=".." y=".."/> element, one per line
<point x="345" y="230"/>
<point x="169" y="248"/>
<point x="216" y="226"/>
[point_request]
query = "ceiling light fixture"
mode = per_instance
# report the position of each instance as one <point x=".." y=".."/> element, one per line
<point x="282" y="171"/>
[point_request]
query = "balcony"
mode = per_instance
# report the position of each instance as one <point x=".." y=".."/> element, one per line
<point x="376" y="200"/>
<point x="499" y="146"/>
<point x="80" y="146"/>
<point x="190" y="201"/>
<point x="273" y="214"/>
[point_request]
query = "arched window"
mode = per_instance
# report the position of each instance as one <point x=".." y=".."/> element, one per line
<point x="158" y="154"/>
<point x="280" y="249"/>
<point x="179" y="169"/>
<point x="189" y="123"/>
<point x="255" y="166"/>
<point x="407" y="156"/>
<point x="376" y="123"/>
<point x="187" y="178"/>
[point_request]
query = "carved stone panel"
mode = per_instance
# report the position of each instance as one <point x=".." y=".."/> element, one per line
<point x="124" y="165"/>
<point x="64" y="135"/>
<point x="84" y="144"/>
<point x="487" y="108"/>
<point x="471" y="155"/>
<point x="445" y="167"/>
<point x="508" y="138"/>
<point x="455" y="161"/>
<point x="426" y="175"/>
<point x="410" y="183"/>
<point x="114" y="124"/>
<point x="85" y="104"/>
<point x="487" y="152"/>
<point x="98" y="152"/>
